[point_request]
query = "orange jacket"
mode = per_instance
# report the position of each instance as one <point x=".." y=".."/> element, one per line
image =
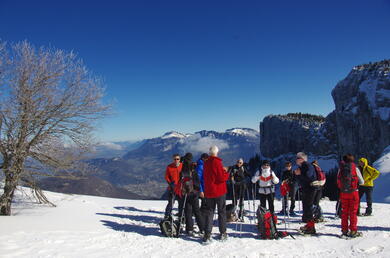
<point x="172" y="174"/>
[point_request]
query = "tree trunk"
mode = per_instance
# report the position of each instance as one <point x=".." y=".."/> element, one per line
<point x="11" y="181"/>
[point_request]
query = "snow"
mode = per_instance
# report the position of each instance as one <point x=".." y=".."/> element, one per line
<point x="243" y="132"/>
<point x="86" y="226"/>
<point x="381" y="184"/>
<point x="374" y="96"/>
<point x="173" y="135"/>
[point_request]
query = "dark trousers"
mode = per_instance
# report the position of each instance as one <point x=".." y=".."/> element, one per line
<point x="191" y="207"/>
<point x="208" y="211"/>
<point x="267" y="197"/>
<point x="316" y="202"/>
<point x="239" y="190"/>
<point x="368" y="191"/>
<point x="171" y="202"/>
<point x="291" y="194"/>
<point x="307" y="203"/>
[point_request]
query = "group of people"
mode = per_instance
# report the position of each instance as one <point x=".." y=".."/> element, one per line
<point x="207" y="178"/>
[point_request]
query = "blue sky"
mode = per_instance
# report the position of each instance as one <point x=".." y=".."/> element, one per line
<point x="191" y="65"/>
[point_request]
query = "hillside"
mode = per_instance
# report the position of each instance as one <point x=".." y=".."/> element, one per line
<point x="86" y="226"/>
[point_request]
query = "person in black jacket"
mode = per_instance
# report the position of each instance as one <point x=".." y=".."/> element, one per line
<point x="306" y="175"/>
<point x="190" y="185"/>
<point x="289" y="177"/>
<point x="238" y="176"/>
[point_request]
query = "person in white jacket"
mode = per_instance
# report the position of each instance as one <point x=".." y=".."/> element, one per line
<point x="267" y="181"/>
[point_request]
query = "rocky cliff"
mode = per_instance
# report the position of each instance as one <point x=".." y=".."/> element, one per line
<point x="362" y="103"/>
<point x="360" y="124"/>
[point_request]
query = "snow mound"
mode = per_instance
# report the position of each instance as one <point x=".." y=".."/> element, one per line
<point x="86" y="226"/>
<point x="381" y="184"/>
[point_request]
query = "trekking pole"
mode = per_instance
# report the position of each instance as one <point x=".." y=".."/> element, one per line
<point x="182" y="214"/>
<point x="173" y="204"/>
<point x="249" y="205"/>
<point x="234" y="203"/>
<point x="254" y="205"/>
<point x="299" y="199"/>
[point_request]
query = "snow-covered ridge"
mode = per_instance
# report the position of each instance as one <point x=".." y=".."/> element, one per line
<point x="86" y="226"/>
<point x="174" y="134"/>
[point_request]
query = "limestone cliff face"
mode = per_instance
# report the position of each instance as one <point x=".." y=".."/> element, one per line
<point x="360" y="124"/>
<point x="291" y="133"/>
<point x="362" y="112"/>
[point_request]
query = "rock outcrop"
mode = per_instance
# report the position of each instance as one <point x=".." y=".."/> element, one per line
<point x="360" y="124"/>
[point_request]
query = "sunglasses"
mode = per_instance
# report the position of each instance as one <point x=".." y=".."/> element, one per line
<point x="298" y="158"/>
<point x="176" y="159"/>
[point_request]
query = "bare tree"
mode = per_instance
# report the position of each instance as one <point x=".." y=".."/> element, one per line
<point x="49" y="105"/>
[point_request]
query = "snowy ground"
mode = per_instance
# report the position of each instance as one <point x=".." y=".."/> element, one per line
<point x="86" y="226"/>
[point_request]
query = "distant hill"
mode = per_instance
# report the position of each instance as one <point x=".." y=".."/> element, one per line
<point x="142" y="170"/>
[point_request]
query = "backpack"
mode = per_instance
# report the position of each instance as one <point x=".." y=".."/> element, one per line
<point x="169" y="227"/>
<point x="231" y="215"/>
<point x="320" y="174"/>
<point x="267" y="225"/>
<point x="186" y="184"/>
<point x="347" y="177"/>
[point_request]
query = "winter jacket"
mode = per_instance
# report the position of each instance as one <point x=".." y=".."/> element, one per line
<point x="199" y="170"/>
<point x="214" y="177"/>
<point x="369" y="173"/>
<point x="172" y="174"/>
<point x="289" y="176"/>
<point x="267" y="180"/>
<point x="239" y="174"/>
<point x="307" y="176"/>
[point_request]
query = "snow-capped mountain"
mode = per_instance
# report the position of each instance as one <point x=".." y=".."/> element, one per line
<point x="142" y="170"/>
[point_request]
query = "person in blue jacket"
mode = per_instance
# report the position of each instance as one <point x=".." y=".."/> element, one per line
<point x="306" y="175"/>
<point x="199" y="170"/>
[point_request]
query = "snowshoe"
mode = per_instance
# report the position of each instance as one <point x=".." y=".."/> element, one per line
<point x="223" y="237"/>
<point x="206" y="239"/>
<point x="354" y="234"/>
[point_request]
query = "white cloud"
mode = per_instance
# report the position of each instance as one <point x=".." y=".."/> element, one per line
<point x="111" y="145"/>
<point x="198" y="144"/>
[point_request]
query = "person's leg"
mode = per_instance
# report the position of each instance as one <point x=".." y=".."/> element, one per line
<point x="171" y="200"/>
<point x="221" y="206"/>
<point x="354" y="206"/>
<point x="345" y="211"/>
<point x="209" y="215"/>
<point x="188" y="213"/>
<point x="241" y="203"/>
<point x="263" y="199"/>
<point x="369" y="191"/>
<point x="361" y="193"/>
<point x="292" y="194"/>
<point x="270" y="199"/>
<point x="307" y="202"/>
<point x="197" y="213"/>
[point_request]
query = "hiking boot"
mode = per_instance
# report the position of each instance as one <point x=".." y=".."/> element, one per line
<point x="354" y="234"/>
<point x="206" y="239"/>
<point x="344" y="234"/>
<point x="292" y="213"/>
<point x="223" y="237"/>
<point x="309" y="231"/>
<point x="190" y="233"/>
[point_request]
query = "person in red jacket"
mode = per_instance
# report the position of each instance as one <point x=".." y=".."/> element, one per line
<point x="172" y="177"/>
<point x="215" y="177"/>
<point x="348" y="180"/>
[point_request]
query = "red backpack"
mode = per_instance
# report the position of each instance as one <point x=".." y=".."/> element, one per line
<point x="347" y="179"/>
<point x="320" y="174"/>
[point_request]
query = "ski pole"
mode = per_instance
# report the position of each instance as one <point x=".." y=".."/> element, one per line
<point x="249" y="205"/>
